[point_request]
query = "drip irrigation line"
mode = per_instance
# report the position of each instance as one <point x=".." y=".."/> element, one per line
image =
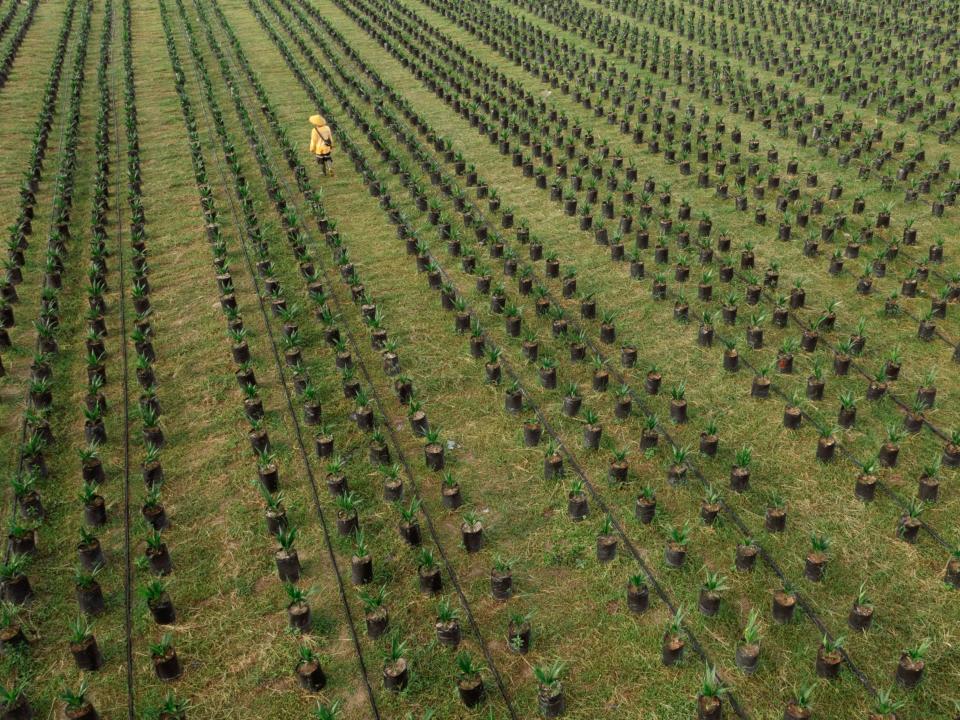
<point x="401" y="456"/>
<point x="241" y="234"/>
<point x="127" y="554"/>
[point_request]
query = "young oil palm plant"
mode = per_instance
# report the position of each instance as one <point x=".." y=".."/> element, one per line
<point x="677" y="469"/>
<point x="830" y="657"/>
<point x="469" y="680"/>
<point x="172" y="708"/>
<point x="678" y="538"/>
<point x="325" y="711"/>
<point x="75" y="700"/>
<point x="710" y="694"/>
<point x="13" y="699"/>
<point x="710" y="592"/>
<point x="885" y="706"/>
<point x="410" y="523"/>
<point x="395" y="671"/>
<point x="550" y="688"/>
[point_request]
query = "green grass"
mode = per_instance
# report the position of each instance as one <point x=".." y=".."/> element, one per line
<point x="231" y="632"/>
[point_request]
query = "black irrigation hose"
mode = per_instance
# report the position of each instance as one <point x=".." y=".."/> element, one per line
<point x="401" y="456"/>
<point x="293" y="415"/>
<point x="127" y="554"/>
<point x="659" y="589"/>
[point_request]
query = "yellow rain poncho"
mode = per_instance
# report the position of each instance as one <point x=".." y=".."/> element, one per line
<point x="321" y="137"/>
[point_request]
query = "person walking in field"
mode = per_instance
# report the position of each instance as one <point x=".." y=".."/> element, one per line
<point x="321" y="143"/>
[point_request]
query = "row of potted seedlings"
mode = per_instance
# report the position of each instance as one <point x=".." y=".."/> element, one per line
<point x="84" y="648"/>
<point x="86" y="652"/>
<point x="37" y="434"/>
<point x="289" y="567"/>
<point x="308" y="669"/>
<point x="471" y="685"/>
<point x="154" y="592"/>
<point x="396" y="671"/>
<point x="18" y="242"/>
<point x="16" y="40"/>
<point x="7" y="20"/>
<point x="32" y="467"/>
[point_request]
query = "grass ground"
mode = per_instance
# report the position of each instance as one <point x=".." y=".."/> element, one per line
<point x="231" y="630"/>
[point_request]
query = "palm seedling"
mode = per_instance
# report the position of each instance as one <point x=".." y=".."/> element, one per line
<point x="550" y="695"/>
<point x="75" y="700"/>
<point x="676" y="547"/>
<point x="395" y="672"/>
<point x="469" y="679"/>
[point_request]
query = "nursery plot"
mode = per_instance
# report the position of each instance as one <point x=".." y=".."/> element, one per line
<point x="611" y="372"/>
